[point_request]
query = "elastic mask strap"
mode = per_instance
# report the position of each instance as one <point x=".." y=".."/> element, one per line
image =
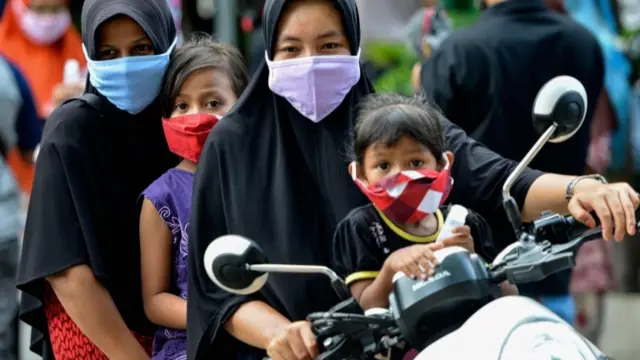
<point x="446" y="162"/>
<point x="354" y="170"/>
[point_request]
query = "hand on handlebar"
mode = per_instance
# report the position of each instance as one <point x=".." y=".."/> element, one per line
<point x="613" y="204"/>
<point x="416" y="261"/>
<point x="295" y="342"/>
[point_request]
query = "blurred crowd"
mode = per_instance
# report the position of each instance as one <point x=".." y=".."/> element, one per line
<point x="453" y="51"/>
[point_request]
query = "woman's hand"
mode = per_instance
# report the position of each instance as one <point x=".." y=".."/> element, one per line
<point x="64" y="92"/>
<point x="613" y="204"/>
<point x="295" y="342"/>
<point x="461" y="237"/>
<point x="415" y="261"/>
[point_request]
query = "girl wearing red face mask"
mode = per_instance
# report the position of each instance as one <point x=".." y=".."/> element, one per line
<point x="203" y="81"/>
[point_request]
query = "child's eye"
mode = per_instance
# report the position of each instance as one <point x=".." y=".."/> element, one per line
<point x="417" y="163"/>
<point x="181" y="107"/>
<point x="213" y="104"/>
<point x="383" y="165"/>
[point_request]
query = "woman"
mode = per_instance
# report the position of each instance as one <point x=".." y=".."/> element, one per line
<point x="273" y="171"/>
<point x="38" y="36"/>
<point x="80" y="267"/>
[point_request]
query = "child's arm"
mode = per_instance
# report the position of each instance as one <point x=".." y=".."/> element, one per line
<point x="160" y="306"/>
<point x="373" y="293"/>
<point x="358" y="258"/>
<point x="411" y="260"/>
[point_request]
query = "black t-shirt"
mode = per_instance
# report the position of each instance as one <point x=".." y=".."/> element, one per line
<point x="485" y="78"/>
<point x="365" y="238"/>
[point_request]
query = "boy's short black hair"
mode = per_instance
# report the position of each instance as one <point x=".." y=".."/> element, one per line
<point x="201" y="51"/>
<point x="388" y="117"/>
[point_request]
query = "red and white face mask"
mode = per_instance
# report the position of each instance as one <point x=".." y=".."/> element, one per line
<point x="186" y="134"/>
<point x="411" y="195"/>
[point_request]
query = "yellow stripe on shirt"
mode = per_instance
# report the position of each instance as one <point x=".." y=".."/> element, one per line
<point x="361" y="275"/>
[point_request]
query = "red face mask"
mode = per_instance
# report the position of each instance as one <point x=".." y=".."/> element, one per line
<point x="411" y="195"/>
<point x="186" y="134"/>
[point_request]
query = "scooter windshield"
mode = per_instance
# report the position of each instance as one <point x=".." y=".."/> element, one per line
<point x="545" y="340"/>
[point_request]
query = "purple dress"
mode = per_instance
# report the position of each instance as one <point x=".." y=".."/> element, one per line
<point x="171" y="195"/>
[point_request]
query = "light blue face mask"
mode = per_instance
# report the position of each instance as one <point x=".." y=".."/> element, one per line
<point x="130" y="83"/>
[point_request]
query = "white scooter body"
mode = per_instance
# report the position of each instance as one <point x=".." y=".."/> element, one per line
<point x="513" y="328"/>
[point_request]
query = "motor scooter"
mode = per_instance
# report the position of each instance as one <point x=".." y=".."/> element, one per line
<point x="457" y="313"/>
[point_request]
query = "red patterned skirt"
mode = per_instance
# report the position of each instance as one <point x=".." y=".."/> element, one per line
<point x="67" y="341"/>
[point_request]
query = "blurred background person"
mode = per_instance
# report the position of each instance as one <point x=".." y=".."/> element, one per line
<point x="37" y="36"/>
<point x="593" y="274"/>
<point x="20" y="127"/>
<point x="485" y="79"/>
<point x="428" y="27"/>
<point x="176" y="11"/>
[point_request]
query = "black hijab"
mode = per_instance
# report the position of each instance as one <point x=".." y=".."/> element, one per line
<point x="271" y="174"/>
<point x="91" y="169"/>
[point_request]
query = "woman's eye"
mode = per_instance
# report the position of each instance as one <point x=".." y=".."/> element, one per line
<point x="289" y="49"/>
<point x="331" y="46"/>
<point x="142" y="49"/>
<point x="417" y="163"/>
<point x="106" y="54"/>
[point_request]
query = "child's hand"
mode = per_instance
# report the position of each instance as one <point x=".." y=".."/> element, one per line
<point x="416" y="261"/>
<point x="461" y="237"/>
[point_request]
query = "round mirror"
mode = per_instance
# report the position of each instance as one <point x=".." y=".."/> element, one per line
<point x="226" y="260"/>
<point x="563" y="101"/>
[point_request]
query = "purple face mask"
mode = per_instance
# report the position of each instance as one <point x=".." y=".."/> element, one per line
<point x="314" y="85"/>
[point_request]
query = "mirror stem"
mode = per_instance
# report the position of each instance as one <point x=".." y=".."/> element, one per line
<point x="294" y="269"/>
<point x="337" y="283"/>
<point x="509" y="203"/>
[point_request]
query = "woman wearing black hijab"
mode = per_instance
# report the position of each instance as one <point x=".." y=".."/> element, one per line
<point x="274" y="171"/>
<point x="80" y="266"/>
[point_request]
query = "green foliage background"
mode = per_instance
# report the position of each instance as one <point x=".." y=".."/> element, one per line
<point x="397" y="60"/>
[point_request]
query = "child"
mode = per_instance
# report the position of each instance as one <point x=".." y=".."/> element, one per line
<point x="203" y="81"/>
<point x="401" y="165"/>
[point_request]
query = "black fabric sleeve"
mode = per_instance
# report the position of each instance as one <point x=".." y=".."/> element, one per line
<point x="209" y="307"/>
<point x="355" y="253"/>
<point x="479" y="175"/>
<point x="59" y="232"/>
<point x="483" y="240"/>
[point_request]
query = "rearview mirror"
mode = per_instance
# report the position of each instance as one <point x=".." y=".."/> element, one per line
<point x="226" y="262"/>
<point x="561" y="101"/>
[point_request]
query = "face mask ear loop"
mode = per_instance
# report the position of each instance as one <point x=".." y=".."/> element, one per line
<point x="354" y="170"/>
<point x="446" y="166"/>
<point x="446" y="162"/>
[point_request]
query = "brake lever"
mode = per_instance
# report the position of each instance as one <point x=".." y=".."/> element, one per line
<point x="548" y="259"/>
<point x="536" y="271"/>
